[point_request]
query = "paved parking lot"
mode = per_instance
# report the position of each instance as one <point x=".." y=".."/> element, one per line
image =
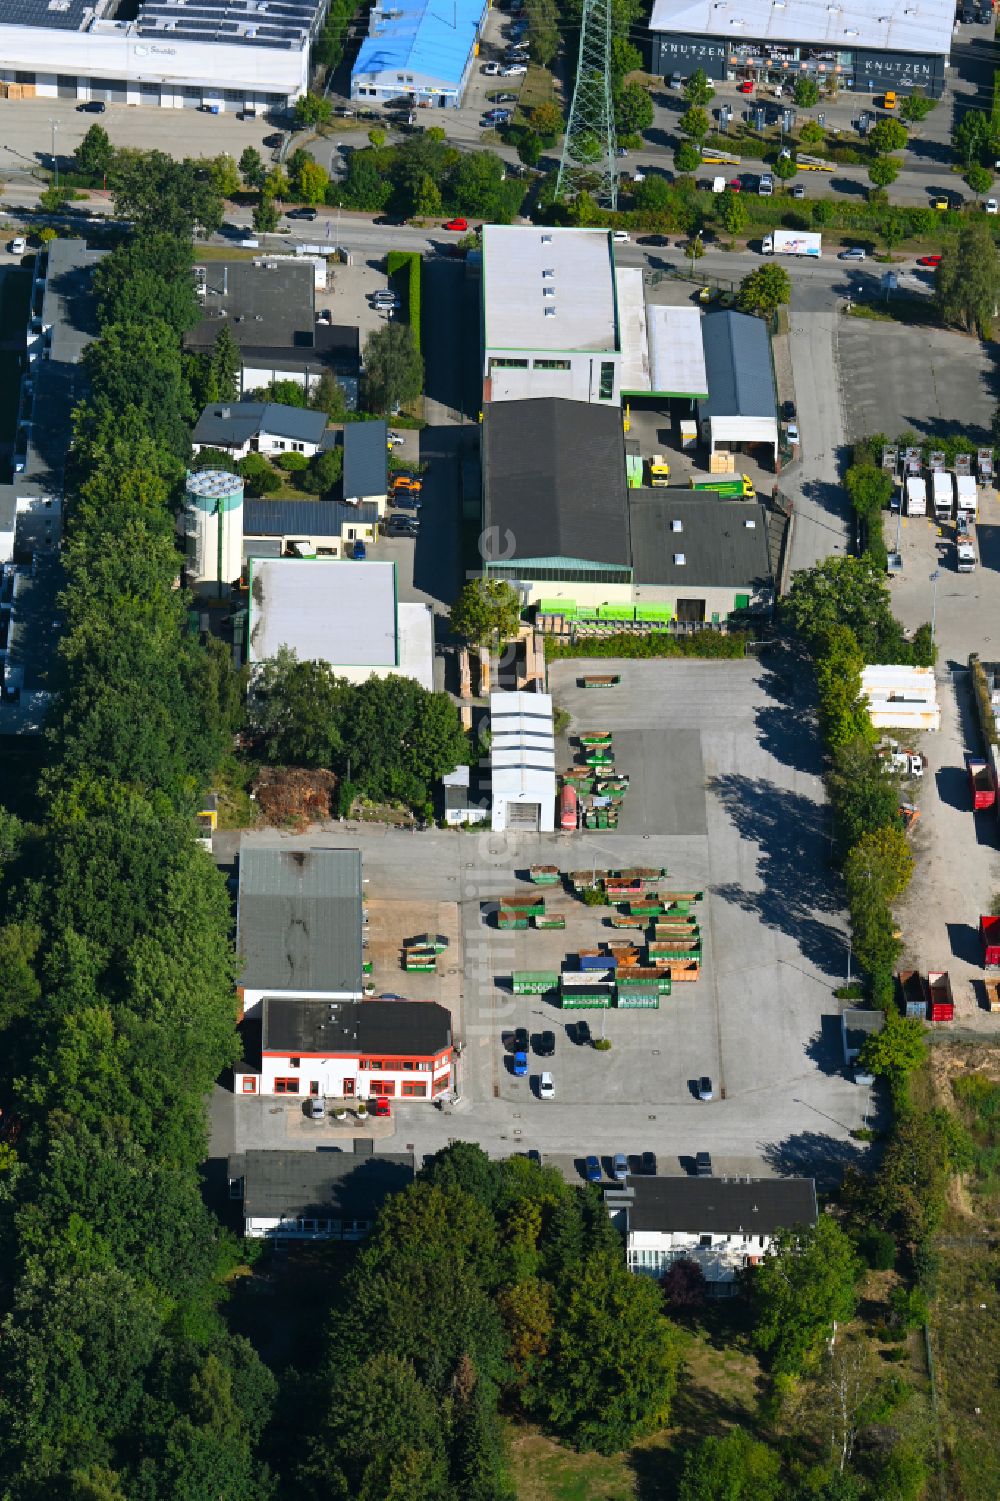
<point x="926" y="380"/>
<point x="750" y="827"/>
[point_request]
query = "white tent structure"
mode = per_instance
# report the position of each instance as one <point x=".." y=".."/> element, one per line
<point x="523" y="763"/>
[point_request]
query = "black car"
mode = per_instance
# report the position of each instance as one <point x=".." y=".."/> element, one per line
<point x="647" y="1164"/>
<point x="545" y="1044"/>
<point x="402" y="526"/>
<point x="274" y="139"/>
<point x="519" y="1043"/>
<point x="303" y="213"/>
<point x="91" y="107"/>
<point x="582" y="1033"/>
<point x="661" y="241"/>
<point x="788" y="411"/>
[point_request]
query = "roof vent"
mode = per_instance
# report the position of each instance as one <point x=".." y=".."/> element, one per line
<point x="679" y="559"/>
<point x="546" y="239"/>
<point x="676" y="526"/>
<point x="550" y="312"/>
<point x="548" y="291"/>
<point x="749" y="523"/>
<point x="548" y="271"/>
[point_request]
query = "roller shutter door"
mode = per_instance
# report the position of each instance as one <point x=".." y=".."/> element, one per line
<point x="524" y="817"/>
<point x="66" y="86"/>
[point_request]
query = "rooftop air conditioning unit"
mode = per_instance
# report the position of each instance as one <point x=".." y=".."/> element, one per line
<point x="676" y="526"/>
<point x="679" y="559"/>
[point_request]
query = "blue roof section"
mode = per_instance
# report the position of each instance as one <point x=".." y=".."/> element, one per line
<point x="304" y="518"/>
<point x="429" y="38"/>
<point x="366" y="459"/>
<point x="738" y="365"/>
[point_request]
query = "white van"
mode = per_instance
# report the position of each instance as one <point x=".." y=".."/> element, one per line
<point x="18" y="246"/>
<point x="718" y="184"/>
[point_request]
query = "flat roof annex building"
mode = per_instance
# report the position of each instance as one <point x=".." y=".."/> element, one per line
<point x="419" y="50"/>
<point x="169" y="54"/>
<point x="860" y="44"/>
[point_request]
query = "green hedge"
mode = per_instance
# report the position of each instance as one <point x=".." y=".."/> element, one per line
<point x="409" y="261"/>
<point x="656" y="644"/>
<point x="987" y="722"/>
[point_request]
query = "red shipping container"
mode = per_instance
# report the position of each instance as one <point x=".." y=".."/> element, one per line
<point x="942" y="1011"/>
<point x="989" y="934"/>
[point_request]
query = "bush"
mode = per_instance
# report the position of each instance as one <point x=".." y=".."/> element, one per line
<point x="410" y="262"/>
<point x="602" y="1044"/>
<point x="292" y="463"/>
<point x="657" y="644"/>
<point x="258" y="475"/>
<point x="879" y="1250"/>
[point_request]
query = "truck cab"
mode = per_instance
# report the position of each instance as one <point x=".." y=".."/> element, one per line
<point x="659" y="471"/>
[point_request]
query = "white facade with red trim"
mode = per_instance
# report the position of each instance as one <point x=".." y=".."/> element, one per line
<point x="350" y="1077"/>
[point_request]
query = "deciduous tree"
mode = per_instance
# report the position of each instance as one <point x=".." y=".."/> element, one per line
<point x="801" y="1290"/>
<point x="486" y="610"/>
<point x="764" y="290"/>
<point x="394" y="369"/>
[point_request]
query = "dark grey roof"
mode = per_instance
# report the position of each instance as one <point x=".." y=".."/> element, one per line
<point x="299" y="919"/>
<point x="366" y="459"/>
<point x="721" y="1206"/>
<point x="738" y="366"/>
<point x="308" y="518"/>
<point x="859" y="1025"/>
<point x="270" y="306"/>
<point x="318" y="1185"/>
<point x="233" y="423"/>
<point x="281" y="23"/>
<point x="38" y="13"/>
<point x="720" y="549"/>
<point x="294" y="1024"/>
<point x="554" y="480"/>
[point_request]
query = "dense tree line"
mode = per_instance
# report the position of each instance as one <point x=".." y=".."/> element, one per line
<point x="118" y="1376"/>
<point x="484" y="1283"/>
<point x="426" y="176"/>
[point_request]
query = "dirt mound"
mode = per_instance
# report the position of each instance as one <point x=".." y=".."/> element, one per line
<point x="293" y="797"/>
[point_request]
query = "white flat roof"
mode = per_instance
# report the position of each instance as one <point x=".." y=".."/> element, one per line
<point x="676" y="352"/>
<point x="522" y="746"/>
<point x="339" y="612"/>
<point x="632" y="321"/>
<point x="570" y="310"/>
<point x="920" y="26"/>
<point x="416" y="643"/>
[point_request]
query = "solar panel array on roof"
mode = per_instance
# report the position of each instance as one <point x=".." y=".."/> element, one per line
<point x="268" y="23"/>
<point x="63" y="15"/>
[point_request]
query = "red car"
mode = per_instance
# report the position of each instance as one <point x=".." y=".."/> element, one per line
<point x="382" y="1106"/>
<point x="746" y="87"/>
<point x="461" y="225"/>
<point x="929" y="260"/>
<point x="735" y="185"/>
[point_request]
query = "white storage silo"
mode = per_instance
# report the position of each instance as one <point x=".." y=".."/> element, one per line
<point x="214" y="504"/>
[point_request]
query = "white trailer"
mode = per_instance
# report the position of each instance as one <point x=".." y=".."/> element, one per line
<point x="968" y="503"/>
<point x="966" y="554"/>
<point x="916" y="495"/>
<point x="943" y="491"/>
<point x="789" y="242"/>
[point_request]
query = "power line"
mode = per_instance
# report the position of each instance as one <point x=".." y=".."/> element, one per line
<point x="589" y="155"/>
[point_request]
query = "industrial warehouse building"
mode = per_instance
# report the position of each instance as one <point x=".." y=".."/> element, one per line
<point x="419" y="51"/>
<point x="576" y="542"/>
<point x="740" y="411"/>
<point x="345" y="613"/>
<point x="522" y="763"/>
<point x="861" y="45"/>
<point x="170" y="54"/>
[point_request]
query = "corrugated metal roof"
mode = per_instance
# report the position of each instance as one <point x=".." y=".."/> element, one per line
<point x="920" y="26"/>
<point x="720" y="550"/>
<point x="721" y="1206"/>
<point x="366" y="459"/>
<point x="738" y="366"/>
<point x="299" y="919"/>
<point x="319" y="1185"/>
<point x="424" y="37"/>
<point x="554" y="480"/>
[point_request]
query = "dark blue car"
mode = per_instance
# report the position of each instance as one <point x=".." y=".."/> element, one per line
<point x="593" y="1168"/>
<point x="520" y="1064"/>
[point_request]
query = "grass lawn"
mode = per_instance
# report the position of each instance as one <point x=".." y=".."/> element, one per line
<point x="538" y="88"/>
<point x="718" y="1388"/>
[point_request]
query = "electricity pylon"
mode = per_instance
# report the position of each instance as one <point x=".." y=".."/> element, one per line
<point x="589" y="154"/>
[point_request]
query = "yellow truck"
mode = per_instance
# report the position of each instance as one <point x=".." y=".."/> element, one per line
<point x="659" y="471"/>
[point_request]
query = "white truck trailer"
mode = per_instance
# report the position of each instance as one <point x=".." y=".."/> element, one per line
<point x="792" y="242"/>
<point x="965" y="550"/>
<point x="916" y="495"/>
<point x="968" y="501"/>
<point x="943" y="491"/>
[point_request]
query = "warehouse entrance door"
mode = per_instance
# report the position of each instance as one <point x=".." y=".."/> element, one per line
<point x="524" y="817"/>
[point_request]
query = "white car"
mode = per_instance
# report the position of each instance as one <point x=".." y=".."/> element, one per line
<point x="491" y="70"/>
<point x="990" y="206"/>
<point x="546" y="1087"/>
<point x="514" y="70"/>
<point x="395" y="440"/>
<point x="621" y="237"/>
<point x="17" y="246"/>
<point x="792" y="433"/>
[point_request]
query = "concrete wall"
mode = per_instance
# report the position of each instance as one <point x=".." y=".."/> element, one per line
<point x="582" y="382"/>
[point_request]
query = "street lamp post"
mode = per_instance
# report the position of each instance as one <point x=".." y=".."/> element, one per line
<point x="934" y="580"/>
<point x="55" y="159"/>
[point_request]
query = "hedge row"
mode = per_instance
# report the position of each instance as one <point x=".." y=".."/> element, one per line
<point x="656" y="644"/>
<point x="410" y="262"/>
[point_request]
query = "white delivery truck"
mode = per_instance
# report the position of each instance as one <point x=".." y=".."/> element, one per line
<point x="965" y="487"/>
<point x="943" y="492"/>
<point x="916" y="495"/>
<point x="966" y="554"/>
<point x="792" y="242"/>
